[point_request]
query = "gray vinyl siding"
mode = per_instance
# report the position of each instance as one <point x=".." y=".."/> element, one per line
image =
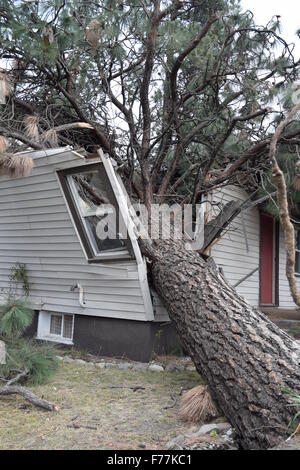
<point x="160" y="311"/>
<point x="36" y="229"/>
<point x="230" y="253"/>
<point x="285" y="298"/>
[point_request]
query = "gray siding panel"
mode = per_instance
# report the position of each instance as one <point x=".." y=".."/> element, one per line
<point x="160" y="312"/>
<point x="285" y="298"/>
<point x="36" y="229"/>
<point x="230" y="253"/>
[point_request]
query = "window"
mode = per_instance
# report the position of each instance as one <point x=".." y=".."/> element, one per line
<point x="93" y="206"/>
<point x="56" y="327"/>
<point x="62" y="325"/>
<point x="297" y="251"/>
<point x="68" y="326"/>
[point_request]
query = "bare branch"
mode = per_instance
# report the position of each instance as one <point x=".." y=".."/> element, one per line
<point x="28" y="395"/>
<point x="282" y="201"/>
<point x="178" y="62"/>
<point x="21" y="138"/>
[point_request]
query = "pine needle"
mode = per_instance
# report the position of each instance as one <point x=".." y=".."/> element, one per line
<point x="4" y="144"/>
<point x="50" y="137"/>
<point x="296" y="181"/>
<point x="15" y="316"/>
<point x="31" y="127"/>
<point x="3" y="164"/>
<point x="197" y="406"/>
<point x="92" y="33"/>
<point x="16" y="166"/>
<point x="5" y="87"/>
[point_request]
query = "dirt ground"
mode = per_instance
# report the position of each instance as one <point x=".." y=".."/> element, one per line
<point x="98" y="409"/>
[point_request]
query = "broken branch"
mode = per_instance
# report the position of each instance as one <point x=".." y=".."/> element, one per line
<point x="29" y="396"/>
<point x="282" y="201"/>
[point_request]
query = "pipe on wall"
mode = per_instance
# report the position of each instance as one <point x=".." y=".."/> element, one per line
<point x="81" y="294"/>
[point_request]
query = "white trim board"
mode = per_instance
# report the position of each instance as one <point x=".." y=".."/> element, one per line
<point x="122" y="201"/>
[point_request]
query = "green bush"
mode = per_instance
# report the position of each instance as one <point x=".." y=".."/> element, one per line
<point x="40" y="361"/>
<point x="295" y="398"/>
<point x="15" y="316"/>
<point x="22" y="353"/>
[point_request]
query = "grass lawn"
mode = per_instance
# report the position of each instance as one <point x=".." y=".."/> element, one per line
<point x="98" y="409"/>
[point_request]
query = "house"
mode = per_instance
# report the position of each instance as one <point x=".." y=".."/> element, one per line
<point x="252" y="256"/>
<point x="92" y="294"/>
<point x="95" y="293"/>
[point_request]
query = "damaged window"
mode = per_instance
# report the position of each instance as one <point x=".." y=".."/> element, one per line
<point x="95" y="212"/>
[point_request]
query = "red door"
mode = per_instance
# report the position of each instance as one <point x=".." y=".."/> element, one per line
<point x="266" y="259"/>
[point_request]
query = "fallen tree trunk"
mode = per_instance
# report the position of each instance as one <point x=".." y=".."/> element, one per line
<point x="246" y="360"/>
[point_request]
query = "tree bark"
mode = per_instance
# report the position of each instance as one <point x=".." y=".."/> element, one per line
<point x="29" y="396"/>
<point x="246" y="359"/>
<point x="283" y="206"/>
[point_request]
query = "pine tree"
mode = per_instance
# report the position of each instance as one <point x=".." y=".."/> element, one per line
<point x="180" y="94"/>
<point x="25" y="361"/>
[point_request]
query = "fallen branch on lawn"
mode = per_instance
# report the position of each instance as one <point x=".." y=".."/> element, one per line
<point x="173" y="404"/>
<point x="78" y="426"/>
<point x="11" y="389"/>
<point x="29" y="396"/>
<point x="134" y="388"/>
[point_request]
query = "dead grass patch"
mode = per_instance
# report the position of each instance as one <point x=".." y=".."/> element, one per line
<point x="98" y="409"/>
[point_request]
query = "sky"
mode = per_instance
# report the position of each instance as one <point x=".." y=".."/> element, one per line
<point x="289" y="10"/>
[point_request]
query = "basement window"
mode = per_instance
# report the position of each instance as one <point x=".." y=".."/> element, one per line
<point x="62" y="325"/>
<point x="297" y="252"/>
<point x="57" y="327"/>
<point x="95" y="213"/>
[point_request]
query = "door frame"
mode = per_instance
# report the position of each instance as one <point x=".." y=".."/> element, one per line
<point x="275" y="276"/>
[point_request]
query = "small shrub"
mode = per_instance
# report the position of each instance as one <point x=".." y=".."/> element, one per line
<point x="19" y="275"/>
<point x="24" y="354"/>
<point x="295" y="404"/>
<point x="15" y="316"/>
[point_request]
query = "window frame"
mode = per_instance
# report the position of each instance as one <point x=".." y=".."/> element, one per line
<point x="62" y="328"/>
<point x="61" y="325"/>
<point x="44" y="327"/>
<point x="85" y="238"/>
